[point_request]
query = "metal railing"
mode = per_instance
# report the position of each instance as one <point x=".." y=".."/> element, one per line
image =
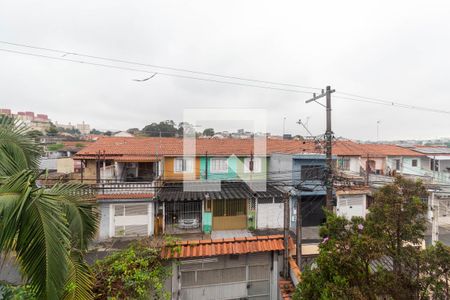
<point x="120" y="187"/>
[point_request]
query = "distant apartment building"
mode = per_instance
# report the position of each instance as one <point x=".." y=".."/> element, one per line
<point x="39" y="122"/>
<point x="83" y="127"/>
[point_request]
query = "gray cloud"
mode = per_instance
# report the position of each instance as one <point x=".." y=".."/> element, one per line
<point x="392" y="50"/>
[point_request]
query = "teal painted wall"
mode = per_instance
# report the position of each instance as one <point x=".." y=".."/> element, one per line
<point x="235" y="167"/>
<point x="207" y="222"/>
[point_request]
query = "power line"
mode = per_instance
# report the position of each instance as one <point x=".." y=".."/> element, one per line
<point x="347" y="96"/>
<point x="389" y="103"/>
<point x="158" y="66"/>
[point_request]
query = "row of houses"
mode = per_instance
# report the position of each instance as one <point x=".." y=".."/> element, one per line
<point x="151" y="186"/>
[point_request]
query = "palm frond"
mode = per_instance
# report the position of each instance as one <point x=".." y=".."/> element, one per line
<point x="34" y="226"/>
<point x="17" y="150"/>
<point x="80" y="279"/>
<point x="81" y="212"/>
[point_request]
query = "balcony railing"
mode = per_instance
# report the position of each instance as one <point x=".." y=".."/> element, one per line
<point x="111" y="188"/>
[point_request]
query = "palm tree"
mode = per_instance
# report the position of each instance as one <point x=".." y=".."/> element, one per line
<point x="47" y="229"/>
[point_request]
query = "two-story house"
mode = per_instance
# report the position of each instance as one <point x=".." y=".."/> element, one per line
<point x="149" y="185"/>
<point x="304" y="175"/>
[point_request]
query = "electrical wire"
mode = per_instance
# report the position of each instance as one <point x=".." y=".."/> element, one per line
<point x="64" y="52"/>
<point x="152" y="72"/>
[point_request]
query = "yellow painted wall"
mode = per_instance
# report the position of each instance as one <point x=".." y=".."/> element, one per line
<point x="169" y="173"/>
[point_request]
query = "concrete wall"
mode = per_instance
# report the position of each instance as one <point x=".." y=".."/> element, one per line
<point x="65" y="165"/>
<point x="104" y="221"/>
<point x="48" y="164"/>
<point x="270" y="215"/>
<point x="107" y="219"/>
<point x="280" y="166"/>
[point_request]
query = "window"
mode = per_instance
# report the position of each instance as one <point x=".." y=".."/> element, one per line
<point x="219" y="165"/>
<point x="397" y="164"/>
<point x="185" y="165"/>
<point x="434" y="165"/>
<point x="414" y="162"/>
<point x="344" y="163"/>
<point x="257" y="165"/>
<point x="312" y="172"/>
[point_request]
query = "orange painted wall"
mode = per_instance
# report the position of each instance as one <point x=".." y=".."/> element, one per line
<point x="169" y="173"/>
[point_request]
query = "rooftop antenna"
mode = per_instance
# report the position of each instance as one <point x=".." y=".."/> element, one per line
<point x="309" y="132"/>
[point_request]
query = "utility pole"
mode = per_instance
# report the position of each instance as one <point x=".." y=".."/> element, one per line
<point x="367" y="170"/>
<point x="298" y="232"/>
<point x="329" y="139"/>
<point x="286" y="236"/>
<point x="434" y="220"/>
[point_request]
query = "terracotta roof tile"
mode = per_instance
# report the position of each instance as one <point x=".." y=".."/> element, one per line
<point x="116" y="147"/>
<point x="349" y="148"/>
<point x="204" y="248"/>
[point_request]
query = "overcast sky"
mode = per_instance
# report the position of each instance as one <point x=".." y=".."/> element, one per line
<point x="394" y="50"/>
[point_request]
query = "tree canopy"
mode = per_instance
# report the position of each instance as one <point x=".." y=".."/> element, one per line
<point x="382" y="255"/>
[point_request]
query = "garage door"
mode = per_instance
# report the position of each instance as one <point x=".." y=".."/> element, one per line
<point x="270" y="215"/>
<point x="227" y="277"/>
<point x="229" y="214"/>
<point x="132" y="219"/>
<point x="351" y="206"/>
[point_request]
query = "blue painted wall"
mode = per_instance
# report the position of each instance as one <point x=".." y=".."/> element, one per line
<point x="308" y="160"/>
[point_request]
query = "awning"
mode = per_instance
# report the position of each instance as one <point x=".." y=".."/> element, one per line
<point x="203" y="190"/>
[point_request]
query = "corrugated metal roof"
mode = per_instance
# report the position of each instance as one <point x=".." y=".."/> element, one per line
<point x="433" y="150"/>
<point x="228" y="190"/>
<point x="205" y="248"/>
<point x="440" y="157"/>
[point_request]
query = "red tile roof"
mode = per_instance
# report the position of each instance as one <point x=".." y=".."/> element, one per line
<point x="349" y="148"/>
<point x="205" y="248"/>
<point x="112" y="147"/>
<point x="125" y="196"/>
<point x="287" y="289"/>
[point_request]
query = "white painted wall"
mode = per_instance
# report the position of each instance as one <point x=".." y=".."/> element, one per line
<point x="351" y="206"/>
<point x="270" y="215"/>
<point x="108" y="221"/>
<point x="280" y="165"/>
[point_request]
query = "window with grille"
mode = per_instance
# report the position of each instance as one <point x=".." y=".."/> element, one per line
<point x="414" y="162"/>
<point x="229" y="207"/>
<point x="185" y="165"/>
<point x="312" y="172"/>
<point x="219" y="165"/>
<point x="252" y="165"/>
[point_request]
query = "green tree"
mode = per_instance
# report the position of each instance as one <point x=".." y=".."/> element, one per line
<point x="134" y="131"/>
<point x="380" y="256"/>
<point x="136" y="272"/>
<point x="208" y="132"/>
<point x="95" y="131"/>
<point x="46" y="229"/>
<point x="52" y="130"/>
<point x="35" y="134"/>
<point x="166" y="129"/>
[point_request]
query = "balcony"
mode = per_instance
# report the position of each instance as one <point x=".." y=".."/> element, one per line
<point x="110" y="187"/>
